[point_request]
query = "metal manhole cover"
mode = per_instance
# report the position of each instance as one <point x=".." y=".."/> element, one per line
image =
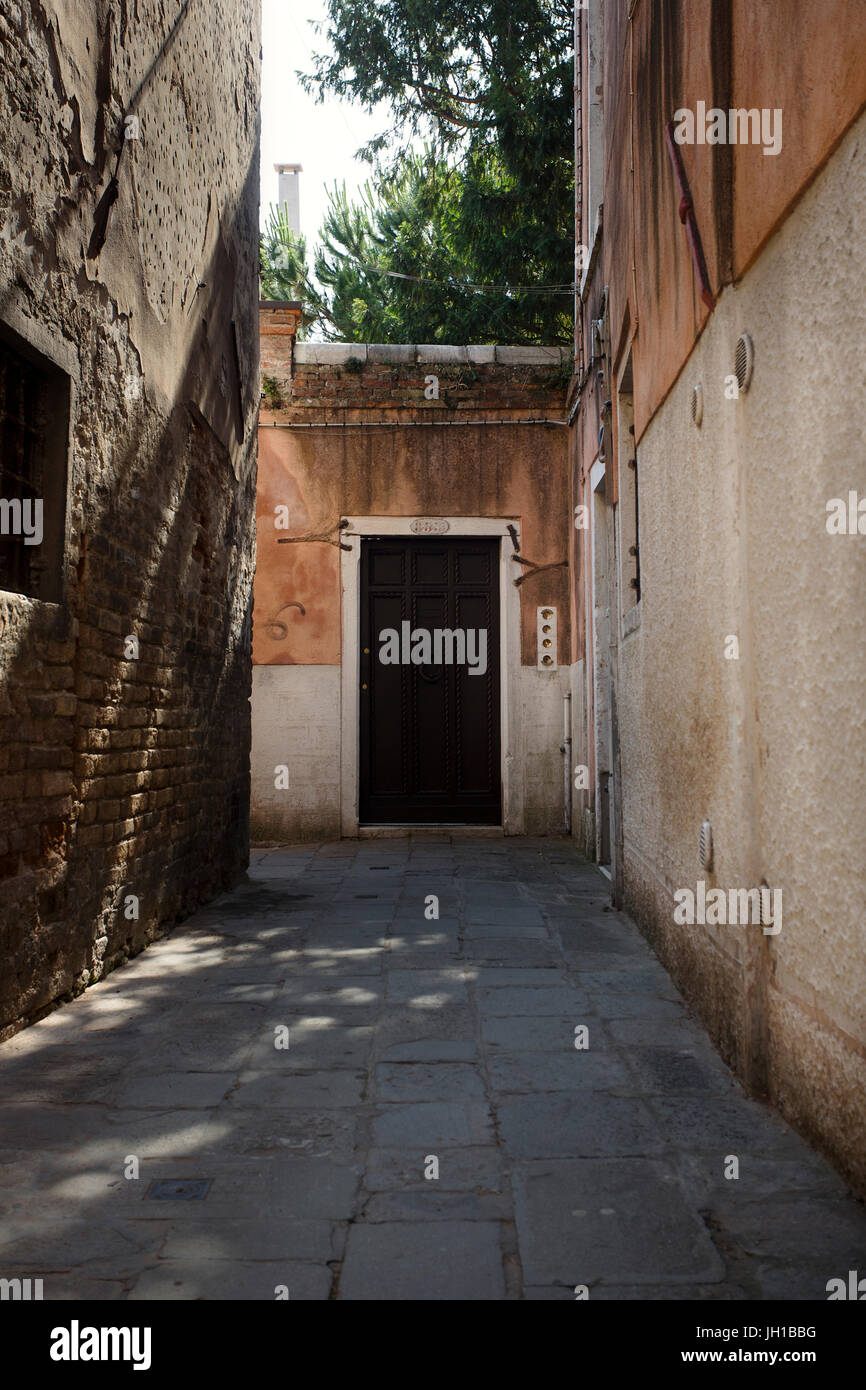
<point x="179" y="1189"/>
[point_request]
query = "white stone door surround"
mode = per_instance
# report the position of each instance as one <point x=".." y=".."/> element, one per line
<point x="509" y="636"/>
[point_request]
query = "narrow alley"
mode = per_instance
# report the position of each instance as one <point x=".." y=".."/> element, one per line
<point x="508" y="1100"/>
<point x="432" y="674"/>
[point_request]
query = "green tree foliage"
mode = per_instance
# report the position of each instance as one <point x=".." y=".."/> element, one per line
<point x="488" y="84"/>
<point x="283" y="265"/>
<point x="419" y="226"/>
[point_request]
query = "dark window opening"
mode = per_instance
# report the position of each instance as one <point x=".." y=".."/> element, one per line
<point x="34" y="427"/>
<point x="630" y="575"/>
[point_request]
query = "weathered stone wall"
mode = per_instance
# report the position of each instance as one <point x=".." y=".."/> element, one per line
<point x="124" y="775"/>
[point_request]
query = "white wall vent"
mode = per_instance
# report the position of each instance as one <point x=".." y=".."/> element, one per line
<point x="744" y="361"/>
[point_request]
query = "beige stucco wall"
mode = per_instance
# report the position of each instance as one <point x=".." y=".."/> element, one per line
<point x="540" y="715"/>
<point x="296" y="724"/>
<point x="770" y="747"/>
<point x="299" y="722"/>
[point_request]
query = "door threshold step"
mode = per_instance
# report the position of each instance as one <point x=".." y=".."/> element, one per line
<point x="373" y="832"/>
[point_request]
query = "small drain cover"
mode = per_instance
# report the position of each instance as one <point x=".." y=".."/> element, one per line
<point x="366" y="895"/>
<point x="179" y="1189"/>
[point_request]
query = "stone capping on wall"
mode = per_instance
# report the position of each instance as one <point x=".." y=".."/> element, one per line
<point x="337" y="354"/>
<point x="280" y="317"/>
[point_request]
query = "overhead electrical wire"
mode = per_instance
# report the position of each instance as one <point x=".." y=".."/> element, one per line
<point x="468" y="284"/>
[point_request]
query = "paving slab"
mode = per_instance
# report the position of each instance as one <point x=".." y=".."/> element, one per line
<point x="466" y="1169"/>
<point x="577" y="1125"/>
<point x="424" y="1260"/>
<point x="520" y="1001"/>
<point x="233" y="1281"/>
<point x="429" y="1126"/>
<point x="537" y="1073"/>
<point x="436" y="1205"/>
<point x="388" y="1106"/>
<point x="182" y="1090"/>
<point x="426" y="989"/>
<point x="432" y="1050"/>
<point x="263" y="1238"/>
<point x="294" y="1089"/>
<point x="428" y="1081"/>
<point x="624" y="1220"/>
<point x="546" y="1033"/>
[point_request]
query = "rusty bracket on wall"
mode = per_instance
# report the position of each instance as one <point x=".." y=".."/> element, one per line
<point x="325" y="536"/>
<point x="688" y="219"/>
<point x="279" y="631"/>
<point x="531" y="567"/>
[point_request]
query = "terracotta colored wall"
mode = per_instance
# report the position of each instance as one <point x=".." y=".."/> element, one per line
<point x="717" y="51"/>
<point x="818" y="78"/>
<point x="366" y="441"/>
<point x="484" y="469"/>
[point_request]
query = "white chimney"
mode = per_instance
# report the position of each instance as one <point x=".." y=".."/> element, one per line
<point x="289" y="196"/>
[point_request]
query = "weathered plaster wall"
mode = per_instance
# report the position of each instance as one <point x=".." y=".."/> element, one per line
<point x="296" y="724"/>
<point x="732" y="537"/>
<point x="669" y="56"/>
<point x="817" y="77"/>
<point x="770" y="747"/>
<point x="410" y="468"/>
<point x="122" y="776"/>
<point x="542" y="695"/>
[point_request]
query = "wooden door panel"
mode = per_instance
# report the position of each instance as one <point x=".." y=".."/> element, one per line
<point x="429" y="694"/>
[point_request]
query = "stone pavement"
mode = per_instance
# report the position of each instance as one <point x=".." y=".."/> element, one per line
<point x="412" y="1042"/>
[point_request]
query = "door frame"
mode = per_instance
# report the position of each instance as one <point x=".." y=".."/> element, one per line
<point x="603" y="568"/>
<point x="511" y="751"/>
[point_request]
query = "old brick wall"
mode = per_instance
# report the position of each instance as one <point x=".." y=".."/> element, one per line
<point x="127" y="776"/>
<point x="507" y="382"/>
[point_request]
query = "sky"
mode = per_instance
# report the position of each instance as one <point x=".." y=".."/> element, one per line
<point x="323" y="137"/>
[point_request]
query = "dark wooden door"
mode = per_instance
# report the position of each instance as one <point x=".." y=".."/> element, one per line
<point x="429" y="677"/>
